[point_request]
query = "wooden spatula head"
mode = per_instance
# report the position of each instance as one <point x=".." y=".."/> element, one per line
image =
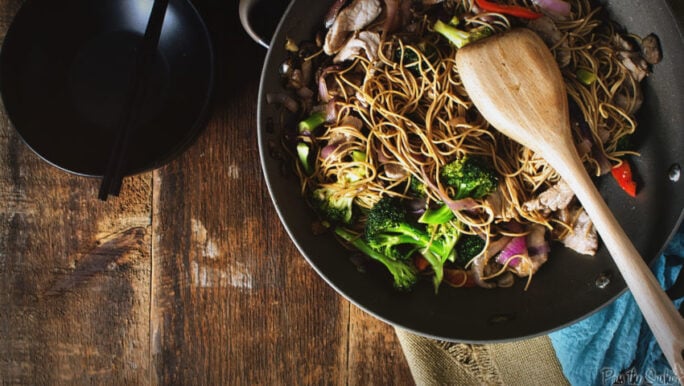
<point x="515" y="83"/>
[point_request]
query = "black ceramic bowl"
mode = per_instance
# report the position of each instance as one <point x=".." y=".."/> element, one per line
<point x="65" y="73"/>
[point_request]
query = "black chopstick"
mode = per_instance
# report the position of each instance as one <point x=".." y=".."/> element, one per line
<point x="135" y="97"/>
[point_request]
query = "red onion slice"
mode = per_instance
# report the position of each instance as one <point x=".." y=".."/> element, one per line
<point x="555" y="7"/>
<point x="282" y="98"/>
<point x="516" y="247"/>
<point x="328" y="150"/>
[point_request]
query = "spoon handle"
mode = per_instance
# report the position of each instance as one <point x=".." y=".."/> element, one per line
<point x="514" y="81"/>
<point x="660" y="313"/>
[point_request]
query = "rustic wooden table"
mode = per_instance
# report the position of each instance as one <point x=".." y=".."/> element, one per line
<point x="187" y="277"/>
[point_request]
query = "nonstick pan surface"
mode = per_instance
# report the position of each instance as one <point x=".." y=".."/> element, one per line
<point x="569" y="286"/>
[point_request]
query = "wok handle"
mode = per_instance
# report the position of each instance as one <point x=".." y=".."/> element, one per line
<point x="246" y="9"/>
<point x="659" y="312"/>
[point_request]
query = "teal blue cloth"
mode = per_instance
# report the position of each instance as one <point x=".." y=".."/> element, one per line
<point x="615" y="345"/>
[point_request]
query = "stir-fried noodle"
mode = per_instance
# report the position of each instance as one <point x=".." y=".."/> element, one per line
<point x="400" y="117"/>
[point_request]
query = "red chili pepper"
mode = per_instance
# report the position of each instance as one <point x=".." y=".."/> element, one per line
<point x="420" y="262"/>
<point x="512" y="10"/>
<point x="623" y="175"/>
<point x="459" y="278"/>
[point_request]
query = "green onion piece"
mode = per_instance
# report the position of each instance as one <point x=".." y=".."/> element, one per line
<point x="303" y="151"/>
<point x="313" y="121"/>
<point x="358" y="156"/>
<point x="585" y="76"/>
<point x="454" y="35"/>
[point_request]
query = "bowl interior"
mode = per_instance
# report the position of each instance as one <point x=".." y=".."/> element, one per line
<point x="66" y="70"/>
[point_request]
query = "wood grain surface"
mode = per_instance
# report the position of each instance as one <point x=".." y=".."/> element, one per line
<point x="187" y="277"/>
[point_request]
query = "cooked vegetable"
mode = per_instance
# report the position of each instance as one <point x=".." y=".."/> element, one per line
<point x="283" y="99"/>
<point x="447" y="234"/>
<point x="312" y="122"/>
<point x="414" y="57"/>
<point x="516" y="247"/>
<point x="387" y="218"/>
<point x="333" y="205"/>
<point x="388" y="231"/>
<point x="458" y="37"/>
<point x="470" y="177"/>
<point x="585" y="76"/>
<point x="418" y="188"/>
<point x="512" y="10"/>
<point x="404" y="274"/>
<point x="623" y="175"/>
<point x="459" y="278"/>
<point x="554" y="7"/>
<point x="467" y="248"/>
<point x="440" y="215"/>
<point x="303" y="152"/>
<point x="354" y="173"/>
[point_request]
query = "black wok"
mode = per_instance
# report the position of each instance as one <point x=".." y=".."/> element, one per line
<point x="566" y="289"/>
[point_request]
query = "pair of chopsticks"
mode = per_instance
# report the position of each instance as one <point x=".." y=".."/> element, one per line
<point x="135" y="97"/>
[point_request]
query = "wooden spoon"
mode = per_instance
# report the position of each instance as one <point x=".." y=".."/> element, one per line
<point x="514" y="81"/>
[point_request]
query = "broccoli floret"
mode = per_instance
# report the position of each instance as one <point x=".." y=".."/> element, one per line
<point x="458" y="37"/>
<point x="445" y="235"/>
<point x="355" y="173"/>
<point x="470" y="176"/>
<point x="409" y="57"/>
<point x="388" y="217"/>
<point x="404" y="274"/>
<point x="388" y="230"/>
<point x="333" y="206"/>
<point x="394" y="245"/>
<point x="448" y="234"/>
<point x="417" y="187"/>
<point x="467" y="247"/>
